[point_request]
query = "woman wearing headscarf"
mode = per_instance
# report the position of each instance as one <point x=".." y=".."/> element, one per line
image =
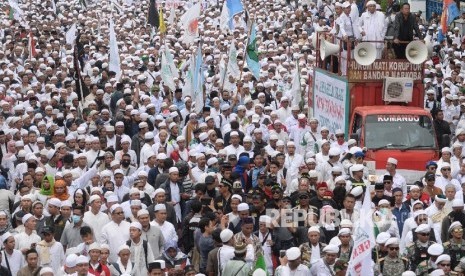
<point x="60" y="190"/>
<point x="46" y="188"/>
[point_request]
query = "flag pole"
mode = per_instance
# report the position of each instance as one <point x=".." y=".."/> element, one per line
<point x="226" y="69"/>
<point x="245" y="50"/>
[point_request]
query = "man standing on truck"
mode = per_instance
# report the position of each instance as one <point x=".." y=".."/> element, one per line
<point x="349" y="31"/>
<point x="398" y="181"/>
<point x="373" y="27"/>
<point x="404" y="25"/>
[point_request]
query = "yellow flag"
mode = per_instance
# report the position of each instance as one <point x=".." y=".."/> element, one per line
<point x="162" y="26"/>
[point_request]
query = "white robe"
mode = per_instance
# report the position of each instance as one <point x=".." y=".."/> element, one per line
<point x="374" y="26"/>
<point x="96" y="222"/>
<point x="115" y="235"/>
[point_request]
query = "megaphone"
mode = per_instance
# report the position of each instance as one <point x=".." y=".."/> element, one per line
<point x="416" y="52"/>
<point x="327" y="48"/>
<point x="365" y="53"/>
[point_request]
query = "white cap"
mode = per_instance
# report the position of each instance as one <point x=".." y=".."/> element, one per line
<point x="392" y="241"/>
<point x="442" y="258"/>
<point x="242" y="207"/>
<point x="82" y="259"/>
<point x="331" y="248"/>
<point x="293" y="253"/>
<point x="160" y="207"/>
<point x="392" y="161"/>
<point x="423" y="228"/>
<point x="55" y="202"/>
<point x="382" y="237"/>
<point x="226" y="235"/>
<point x="173" y="170"/>
<point x="435" y="249"/>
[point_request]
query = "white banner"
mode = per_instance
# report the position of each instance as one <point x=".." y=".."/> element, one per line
<point x="330" y="101"/>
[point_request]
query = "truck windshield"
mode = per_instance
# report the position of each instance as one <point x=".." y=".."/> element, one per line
<point x="396" y="131"/>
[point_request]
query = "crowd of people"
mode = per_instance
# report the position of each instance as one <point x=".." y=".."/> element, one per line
<point x="116" y="173"/>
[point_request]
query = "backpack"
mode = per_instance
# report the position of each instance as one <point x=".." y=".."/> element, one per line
<point x="145" y="246"/>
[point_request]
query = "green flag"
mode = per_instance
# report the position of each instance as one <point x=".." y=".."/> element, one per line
<point x="260" y="263"/>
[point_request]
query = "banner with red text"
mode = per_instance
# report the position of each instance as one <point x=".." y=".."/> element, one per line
<point x="331" y="100"/>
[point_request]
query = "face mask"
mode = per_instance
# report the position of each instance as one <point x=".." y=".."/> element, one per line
<point x="76" y="218"/>
<point x="125" y="163"/>
<point x="383" y="211"/>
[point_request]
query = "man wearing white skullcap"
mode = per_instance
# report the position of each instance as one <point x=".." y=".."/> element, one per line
<point x="373" y="26"/>
<point x="393" y="263"/>
<point x="325" y="265"/>
<point x="25" y="239"/>
<point x="292" y="264"/>
<point x="166" y="227"/>
<point x="95" y="218"/>
<point x="398" y="181"/>
<point x="116" y="232"/>
<point x="13" y="256"/>
<point x="141" y="251"/>
<point x="313" y="249"/>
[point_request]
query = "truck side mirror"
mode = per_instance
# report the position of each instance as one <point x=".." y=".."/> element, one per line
<point x="446" y="139"/>
<point x="354" y="136"/>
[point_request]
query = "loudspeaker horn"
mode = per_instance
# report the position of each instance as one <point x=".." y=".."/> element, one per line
<point x="416" y="52"/>
<point x="365" y="53"/>
<point x="327" y="48"/>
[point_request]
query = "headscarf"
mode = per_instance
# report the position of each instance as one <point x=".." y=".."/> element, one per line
<point x="50" y="190"/>
<point x="64" y="195"/>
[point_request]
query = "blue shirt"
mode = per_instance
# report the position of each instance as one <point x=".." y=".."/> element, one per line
<point x="401" y="215"/>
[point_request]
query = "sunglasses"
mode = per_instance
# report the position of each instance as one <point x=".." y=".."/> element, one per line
<point x="424" y="234"/>
<point x="276" y="192"/>
<point x="458" y="230"/>
<point x="393" y="248"/>
<point x="303" y="197"/>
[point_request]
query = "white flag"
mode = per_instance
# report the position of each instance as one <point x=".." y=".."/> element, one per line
<point x="296" y="92"/>
<point x="233" y="68"/>
<point x="172" y="15"/>
<point x="166" y="75"/>
<point x="222" y="73"/>
<point x="360" y="262"/>
<point x="71" y="34"/>
<point x="224" y="18"/>
<point x="17" y="11"/>
<point x="114" y="64"/>
<point x="170" y="61"/>
<point x="188" y="86"/>
<point x="190" y="24"/>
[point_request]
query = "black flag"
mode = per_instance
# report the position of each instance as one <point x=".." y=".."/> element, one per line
<point x="152" y="17"/>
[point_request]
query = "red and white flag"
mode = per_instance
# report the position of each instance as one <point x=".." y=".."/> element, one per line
<point x="32" y="46"/>
<point x="190" y="24"/>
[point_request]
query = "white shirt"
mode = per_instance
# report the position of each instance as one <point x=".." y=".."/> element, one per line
<point x="57" y="256"/>
<point x="234" y="150"/>
<point x="96" y="222"/>
<point x="176" y="197"/>
<point x="15" y="261"/>
<point x="115" y="235"/>
<point x="374" y="26"/>
<point x="24" y="240"/>
<point x="301" y="270"/>
<point x="168" y="230"/>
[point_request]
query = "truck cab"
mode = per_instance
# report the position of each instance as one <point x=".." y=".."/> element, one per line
<point x="402" y="132"/>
